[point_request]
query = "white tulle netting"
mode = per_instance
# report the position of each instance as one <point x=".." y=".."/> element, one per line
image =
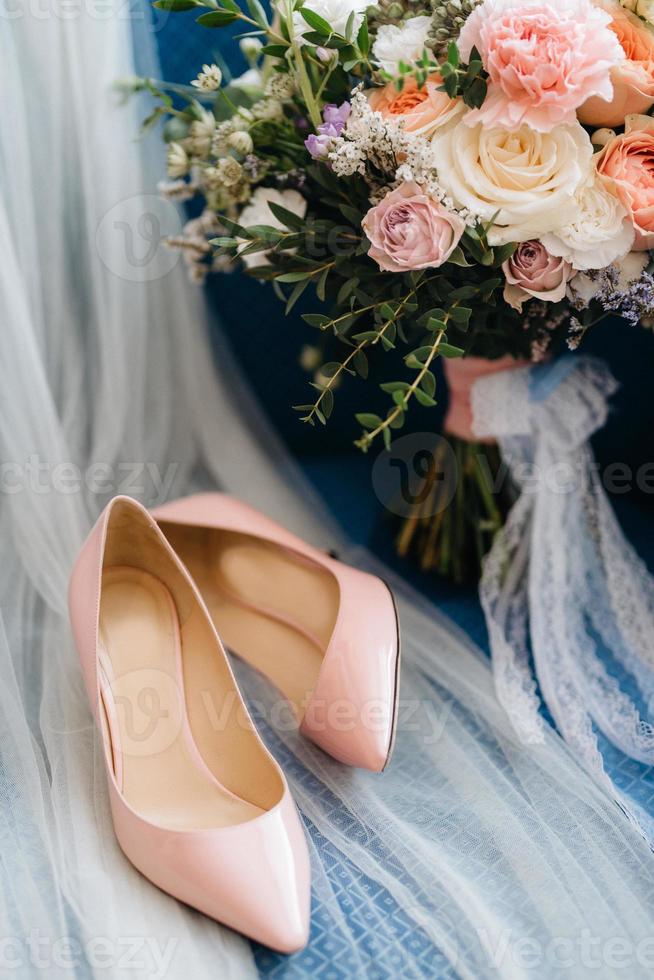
<point x="561" y="584"/>
<point x="470" y="856"/>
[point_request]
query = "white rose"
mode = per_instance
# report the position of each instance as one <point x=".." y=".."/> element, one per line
<point x="404" y="42"/>
<point x="526" y="179"/>
<point x="257" y="212"/>
<point x="597" y="234"/>
<point x="335" y="12"/>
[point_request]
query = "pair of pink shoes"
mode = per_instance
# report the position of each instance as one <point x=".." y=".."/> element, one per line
<point x="199" y="804"/>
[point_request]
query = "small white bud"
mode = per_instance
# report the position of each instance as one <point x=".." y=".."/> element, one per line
<point x="602" y="136"/>
<point x="177" y="160"/>
<point x="326" y="54"/>
<point x="310" y="357"/>
<point x="241" y="142"/>
<point x="250" y="48"/>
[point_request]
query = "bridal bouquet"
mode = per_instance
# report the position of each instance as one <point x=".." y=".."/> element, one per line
<point x="470" y="180"/>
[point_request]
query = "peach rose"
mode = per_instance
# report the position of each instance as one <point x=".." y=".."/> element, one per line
<point x="626" y="166"/>
<point x="422" y="110"/>
<point x="633" y="78"/>
<point x="533" y="272"/>
<point x="409" y="230"/>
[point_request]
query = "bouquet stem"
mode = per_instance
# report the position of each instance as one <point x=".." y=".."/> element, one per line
<point x="452" y="537"/>
<point x="454" y="521"/>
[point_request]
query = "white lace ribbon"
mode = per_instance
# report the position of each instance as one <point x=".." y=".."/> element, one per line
<point x="567" y="600"/>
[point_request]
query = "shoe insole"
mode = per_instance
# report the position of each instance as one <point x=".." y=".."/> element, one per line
<point x="271" y="607"/>
<point x="164" y="777"/>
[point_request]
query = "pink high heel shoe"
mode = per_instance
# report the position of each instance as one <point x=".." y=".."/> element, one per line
<point x="325" y="634"/>
<point x="199" y="805"/>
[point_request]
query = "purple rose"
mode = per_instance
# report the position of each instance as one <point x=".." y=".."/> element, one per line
<point x="532" y="271"/>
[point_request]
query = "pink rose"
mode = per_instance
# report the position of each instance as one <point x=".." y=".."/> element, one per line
<point x="633" y="79"/>
<point x="626" y="165"/>
<point x="544" y="60"/>
<point x="410" y="230"/>
<point x="422" y="110"/>
<point x="533" y="272"/>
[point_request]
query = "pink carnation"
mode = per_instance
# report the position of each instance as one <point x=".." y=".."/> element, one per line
<point x="409" y="230"/>
<point x="544" y="60"/>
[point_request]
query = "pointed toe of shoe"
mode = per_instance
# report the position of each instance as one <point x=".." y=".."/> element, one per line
<point x="353" y="709"/>
<point x="270" y="905"/>
<point x="253" y="877"/>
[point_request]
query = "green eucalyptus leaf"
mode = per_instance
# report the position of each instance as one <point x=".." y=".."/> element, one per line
<point x="177" y="5"/>
<point x="330" y="369"/>
<point x="391" y="386"/>
<point x="258" y="13"/>
<point x="316" y="320"/>
<point x="321" y="285"/>
<point x="453" y="54"/>
<point x="448" y="350"/>
<point x="368" y="420"/>
<point x="360" y="362"/>
<point x="363" y="38"/>
<point x="424" y="399"/>
<point x="464" y="292"/>
<point x="288" y="218"/>
<point x="460" y="314"/>
<point x="327" y="402"/>
<point x="458" y="258"/>
<point x="295" y="277"/>
<point x="428" y="383"/>
<point x="318" y="23"/>
<point x="295" y="295"/>
<point x="217" y="18"/>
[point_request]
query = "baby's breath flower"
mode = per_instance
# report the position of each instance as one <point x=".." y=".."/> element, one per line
<point x="209" y="78"/>
<point x="177" y="161"/>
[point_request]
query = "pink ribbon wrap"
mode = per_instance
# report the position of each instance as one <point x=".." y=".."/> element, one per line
<point x="461" y="374"/>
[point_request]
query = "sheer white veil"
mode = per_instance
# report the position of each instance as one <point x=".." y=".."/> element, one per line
<point x="471" y="855"/>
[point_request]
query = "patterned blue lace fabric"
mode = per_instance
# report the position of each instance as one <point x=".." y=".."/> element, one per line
<point x="345" y="484"/>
